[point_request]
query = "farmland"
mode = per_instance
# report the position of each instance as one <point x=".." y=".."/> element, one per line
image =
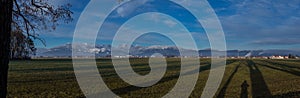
<point x="56" y="78"/>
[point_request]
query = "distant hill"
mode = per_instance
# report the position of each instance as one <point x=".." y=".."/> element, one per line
<point x="105" y="50"/>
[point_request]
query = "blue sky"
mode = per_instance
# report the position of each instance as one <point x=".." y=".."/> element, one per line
<point x="247" y="24"/>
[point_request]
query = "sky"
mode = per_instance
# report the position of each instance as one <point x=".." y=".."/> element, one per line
<point x="247" y="24"/>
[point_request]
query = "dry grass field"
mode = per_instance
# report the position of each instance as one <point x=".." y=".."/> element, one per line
<point x="55" y="78"/>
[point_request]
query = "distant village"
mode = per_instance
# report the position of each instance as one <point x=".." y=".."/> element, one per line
<point x="268" y="57"/>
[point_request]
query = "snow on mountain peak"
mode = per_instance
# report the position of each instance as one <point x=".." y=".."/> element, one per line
<point x="105" y="50"/>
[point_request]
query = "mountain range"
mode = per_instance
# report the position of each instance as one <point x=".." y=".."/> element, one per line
<point x="146" y="51"/>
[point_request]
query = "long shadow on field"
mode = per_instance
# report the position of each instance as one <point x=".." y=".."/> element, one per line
<point x="224" y="88"/>
<point x="259" y="86"/>
<point x="288" y="95"/>
<point x="44" y="69"/>
<point x="63" y="78"/>
<point x="130" y="88"/>
<point x="284" y="70"/>
<point x="282" y="65"/>
<point x="141" y="71"/>
<point x="204" y="68"/>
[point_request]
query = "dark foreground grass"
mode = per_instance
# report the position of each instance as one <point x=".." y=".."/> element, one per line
<point x="55" y="78"/>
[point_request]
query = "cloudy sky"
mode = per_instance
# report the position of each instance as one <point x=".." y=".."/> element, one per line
<point x="247" y="24"/>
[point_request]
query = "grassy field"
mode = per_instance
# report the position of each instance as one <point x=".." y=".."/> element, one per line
<point x="55" y="78"/>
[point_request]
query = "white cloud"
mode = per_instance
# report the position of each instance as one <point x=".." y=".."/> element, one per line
<point x="271" y="21"/>
<point x="170" y="23"/>
<point x="125" y="10"/>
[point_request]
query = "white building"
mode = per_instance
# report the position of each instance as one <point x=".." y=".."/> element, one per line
<point x="277" y="57"/>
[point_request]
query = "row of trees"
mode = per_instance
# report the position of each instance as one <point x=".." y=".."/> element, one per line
<point x="293" y="56"/>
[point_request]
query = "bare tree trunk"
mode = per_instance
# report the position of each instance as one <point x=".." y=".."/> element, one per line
<point x="5" y="30"/>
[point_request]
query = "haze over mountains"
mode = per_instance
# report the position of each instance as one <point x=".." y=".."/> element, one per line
<point x="145" y="51"/>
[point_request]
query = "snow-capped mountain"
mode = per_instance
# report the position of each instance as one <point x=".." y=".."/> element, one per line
<point x="66" y="50"/>
<point x="85" y="49"/>
<point x="105" y="50"/>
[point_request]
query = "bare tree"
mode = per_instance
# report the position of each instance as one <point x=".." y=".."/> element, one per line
<point x="25" y="17"/>
<point x="21" y="47"/>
